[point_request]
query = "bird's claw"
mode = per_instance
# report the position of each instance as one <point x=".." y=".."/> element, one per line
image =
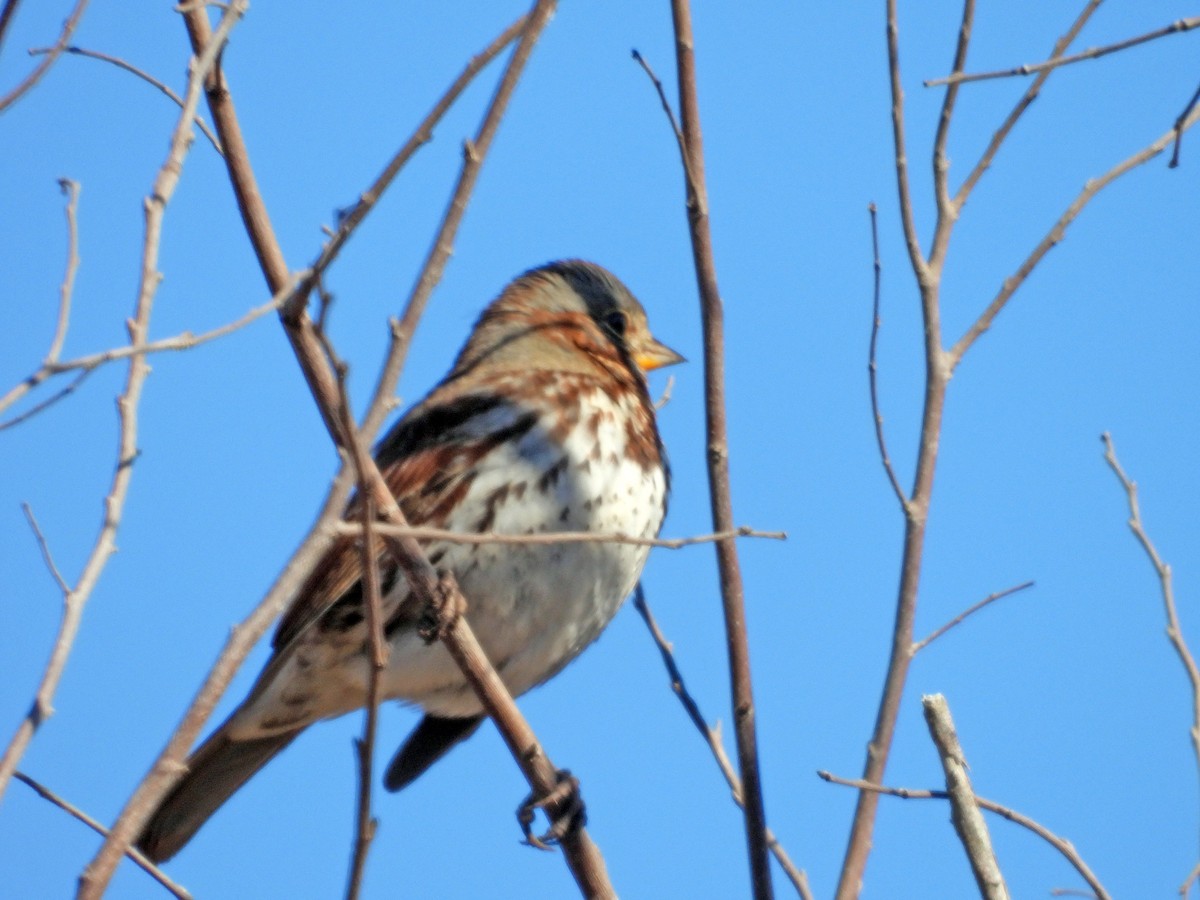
<point x="441" y="615"/>
<point x="563" y="807"/>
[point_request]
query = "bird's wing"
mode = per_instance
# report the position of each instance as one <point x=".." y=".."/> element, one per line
<point x="428" y="459"/>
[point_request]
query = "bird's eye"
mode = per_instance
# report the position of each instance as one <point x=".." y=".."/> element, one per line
<point x="616" y="322"/>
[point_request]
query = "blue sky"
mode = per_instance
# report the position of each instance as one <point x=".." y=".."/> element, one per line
<point x="1069" y="702"/>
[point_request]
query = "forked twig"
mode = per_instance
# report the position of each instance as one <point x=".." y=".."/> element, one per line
<point x="1062" y="845"/>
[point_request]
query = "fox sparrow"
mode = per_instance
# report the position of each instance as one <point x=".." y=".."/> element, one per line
<point x="544" y="424"/>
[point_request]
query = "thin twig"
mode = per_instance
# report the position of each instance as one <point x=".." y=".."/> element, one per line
<point x="43" y="67"/>
<point x="1189" y="881"/>
<point x="712" y="737"/>
<point x="140" y="73"/>
<point x="873" y="368"/>
<point x="670" y="114"/>
<point x="71" y="190"/>
<point x="964" y="812"/>
<point x="1062" y="845"/>
<point x="44" y="547"/>
<point x="373" y="601"/>
<point x="96" y="876"/>
<point x="712" y="316"/>
<point x="133" y="853"/>
<point x="1166" y="585"/>
<point x="48" y="402"/>
<point x="1187" y="111"/>
<point x="87" y="364"/>
<point x="958" y="77"/>
<point x="990" y="598"/>
<point x="421" y="532"/>
<point x="1056" y="234"/>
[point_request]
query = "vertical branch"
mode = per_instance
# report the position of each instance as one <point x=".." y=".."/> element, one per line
<point x="712" y="314"/>
<point x="964" y="810"/>
<point x="916" y="509"/>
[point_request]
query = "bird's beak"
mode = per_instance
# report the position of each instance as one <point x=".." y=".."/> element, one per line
<point x="654" y="355"/>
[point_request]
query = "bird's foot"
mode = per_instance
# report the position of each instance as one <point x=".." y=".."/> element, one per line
<point x="563" y="807"/>
<point x="441" y="615"/>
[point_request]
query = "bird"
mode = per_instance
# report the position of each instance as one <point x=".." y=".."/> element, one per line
<point x="543" y="424"/>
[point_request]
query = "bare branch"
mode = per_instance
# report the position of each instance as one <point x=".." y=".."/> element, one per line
<point x="48" y="402"/>
<point x="87" y="364"/>
<point x="133" y="853"/>
<point x="990" y="598"/>
<point x="712" y="737"/>
<point x="1062" y="845"/>
<point x="44" y="66"/>
<point x="873" y="368"/>
<point x="1189" y="881"/>
<point x="71" y="190"/>
<point x="45" y="548"/>
<point x="1166" y="586"/>
<point x="1031" y="93"/>
<point x="968" y="821"/>
<point x="421" y="532"/>
<point x="712" y="316"/>
<point x="127" y="409"/>
<point x="95" y="878"/>
<point x="1056" y="234"/>
<point x="373" y="601"/>
<point x="959" y="77"/>
<point x="947" y="210"/>
<point x="140" y="73"/>
<point x="1187" y="111"/>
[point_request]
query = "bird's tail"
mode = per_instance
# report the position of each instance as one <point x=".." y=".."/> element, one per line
<point x="215" y="772"/>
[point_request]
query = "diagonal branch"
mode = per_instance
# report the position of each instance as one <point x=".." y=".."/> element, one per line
<point x="1056" y="234"/>
<point x="712" y="737"/>
<point x="133" y="853"/>
<point x="43" y="67"/>
<point x="968" y="820"/>
<point x="959" y="77"/>
<point x="970" y="610"/>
